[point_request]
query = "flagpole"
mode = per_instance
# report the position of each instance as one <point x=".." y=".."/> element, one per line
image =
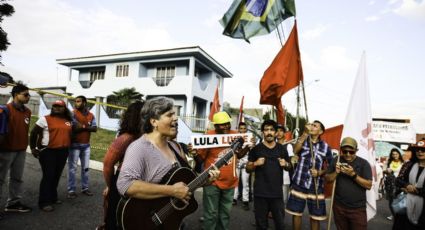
<point x="332" y="198"/>
<point x="305" y="100"/>
<point x="297" y="120"/>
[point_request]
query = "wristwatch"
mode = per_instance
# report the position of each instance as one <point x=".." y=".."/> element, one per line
<point x="354" y="176"/>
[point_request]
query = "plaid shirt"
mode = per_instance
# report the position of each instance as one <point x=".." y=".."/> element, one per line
<point x="302" y="176"/>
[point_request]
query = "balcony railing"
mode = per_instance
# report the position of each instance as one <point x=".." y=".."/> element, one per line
<point x="196" y="124"/>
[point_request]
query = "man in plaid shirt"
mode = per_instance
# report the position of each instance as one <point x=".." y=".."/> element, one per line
<point x="308" y="179"/>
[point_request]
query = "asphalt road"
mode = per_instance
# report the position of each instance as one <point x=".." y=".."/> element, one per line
<point x="86" y="212"/>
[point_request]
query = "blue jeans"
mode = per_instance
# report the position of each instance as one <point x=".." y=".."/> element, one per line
<point x="81" y="151"/>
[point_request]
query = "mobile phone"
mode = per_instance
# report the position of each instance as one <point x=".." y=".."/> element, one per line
<point x="344" y="164"/>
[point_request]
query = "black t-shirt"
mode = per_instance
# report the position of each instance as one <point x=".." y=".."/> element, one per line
<point x="347" y="191"/>
<point x="268" y="177"/>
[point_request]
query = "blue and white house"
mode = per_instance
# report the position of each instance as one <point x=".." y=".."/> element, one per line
<point x="189" y="75"/>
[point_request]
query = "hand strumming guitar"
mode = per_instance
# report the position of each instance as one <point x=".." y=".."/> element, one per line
<point x="181" y="191"/>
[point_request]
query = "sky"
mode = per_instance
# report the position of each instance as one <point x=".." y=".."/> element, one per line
<point x="333" y="34"/>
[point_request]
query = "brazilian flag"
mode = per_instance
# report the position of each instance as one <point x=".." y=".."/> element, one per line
<point x="249" y="18"/>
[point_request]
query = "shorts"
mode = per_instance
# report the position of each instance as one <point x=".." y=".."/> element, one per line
<point x="298" y="197"/>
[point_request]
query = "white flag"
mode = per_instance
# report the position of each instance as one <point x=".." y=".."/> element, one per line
<point x="358" y="125"/>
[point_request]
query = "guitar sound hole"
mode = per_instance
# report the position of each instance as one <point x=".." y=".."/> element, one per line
<point x="178" y="204"/>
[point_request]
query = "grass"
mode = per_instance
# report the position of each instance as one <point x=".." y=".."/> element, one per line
<point x="99" y="141"/>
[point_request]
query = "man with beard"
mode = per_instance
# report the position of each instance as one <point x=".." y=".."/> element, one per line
<point x="217" y="197"/>
<point x="14" y="125"/>
<point x="268" y="160"/>
<point x="83" y="124"/>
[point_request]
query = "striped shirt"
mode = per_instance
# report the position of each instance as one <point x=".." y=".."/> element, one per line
<point x="302" y="176"/>
<point x="143" y="161"/>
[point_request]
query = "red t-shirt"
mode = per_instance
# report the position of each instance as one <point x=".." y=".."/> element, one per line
<point x="228" y="178"/>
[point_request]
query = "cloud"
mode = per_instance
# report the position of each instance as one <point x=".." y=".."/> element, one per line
<point x="314" y="33"/>
<point x="57" y="29"/>
<point x="335" y="57"/>
<point x="411" y="9"/>
<point x="372" y="18"/>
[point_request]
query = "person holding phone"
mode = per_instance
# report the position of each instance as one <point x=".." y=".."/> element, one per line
<point x="353" y="177"/>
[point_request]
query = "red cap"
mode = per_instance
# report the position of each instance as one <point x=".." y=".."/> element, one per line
<point x="59" y="102"/>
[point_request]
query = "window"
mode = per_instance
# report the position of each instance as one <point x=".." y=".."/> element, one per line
<point x="97" y="75"/>
<point x="122" y="71"/>
<point x="164" y="75"/>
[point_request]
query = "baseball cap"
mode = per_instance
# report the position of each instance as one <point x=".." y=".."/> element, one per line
<point x="59" y="102"/>
<point x="350" y="142"/>
<point x="221" y="118"/>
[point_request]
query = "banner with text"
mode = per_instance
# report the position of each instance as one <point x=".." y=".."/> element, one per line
<point x="393" y="132"/>
<point x="219" y="140"/>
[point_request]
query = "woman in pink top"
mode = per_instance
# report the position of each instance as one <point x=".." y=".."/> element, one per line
<point x="130" y="130"/>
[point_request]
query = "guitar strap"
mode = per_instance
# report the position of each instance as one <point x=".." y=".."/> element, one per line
<point x="180" y="159"/>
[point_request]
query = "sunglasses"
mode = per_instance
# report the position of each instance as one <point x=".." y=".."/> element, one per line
<point x="344" y="151"/>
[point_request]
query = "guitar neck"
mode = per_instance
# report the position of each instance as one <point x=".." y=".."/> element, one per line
<point x="203" y="177"/>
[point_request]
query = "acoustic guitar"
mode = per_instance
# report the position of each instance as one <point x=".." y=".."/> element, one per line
<point x="167" y="212"/>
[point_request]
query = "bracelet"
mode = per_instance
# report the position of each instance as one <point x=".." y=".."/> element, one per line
<point x="354" y="176"/>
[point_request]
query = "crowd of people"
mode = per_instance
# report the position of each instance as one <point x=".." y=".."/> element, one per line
<point x="278" y="175"/>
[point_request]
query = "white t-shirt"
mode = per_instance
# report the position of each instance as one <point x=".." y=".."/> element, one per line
<point x="42" y="122"/>
<point x="286" y="179"/>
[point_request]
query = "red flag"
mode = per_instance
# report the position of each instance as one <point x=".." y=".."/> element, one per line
<point x="283" y="74"/>
<point x="332" y="136"/>
<point x="240" y="117"/>
<point x="215" y="107"/>
<point x="280" y="114"/>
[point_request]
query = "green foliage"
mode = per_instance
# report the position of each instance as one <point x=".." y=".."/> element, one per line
<point x="6" y="10"/>
<point x="124" y="97"/>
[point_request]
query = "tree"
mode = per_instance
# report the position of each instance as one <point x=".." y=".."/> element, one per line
<point x="122" y="97"/>
<point x="6" y="10"/>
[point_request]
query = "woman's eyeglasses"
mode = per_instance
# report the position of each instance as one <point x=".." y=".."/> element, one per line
<point x="344" y="151"/>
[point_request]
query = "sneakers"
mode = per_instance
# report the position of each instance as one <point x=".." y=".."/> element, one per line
<point x="58" y="202"/>
<point x="389" y="217"/>
<point x="71" y="195"/>
<point x="235" y="202"/>
<point x="87" y="192"/>
<point x="17" y="207"/>
<point x="47" y="208"/>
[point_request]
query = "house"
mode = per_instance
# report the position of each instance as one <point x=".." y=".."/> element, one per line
<point x="189" y="75"/>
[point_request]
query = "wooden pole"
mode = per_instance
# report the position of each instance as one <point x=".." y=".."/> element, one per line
<point x="313" y="158"/>
<point x="332" y="198"/>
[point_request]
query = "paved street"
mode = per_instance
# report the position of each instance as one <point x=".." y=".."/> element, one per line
<point x="86" y="212"/>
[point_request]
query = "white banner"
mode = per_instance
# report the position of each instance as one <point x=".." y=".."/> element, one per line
<point x="393" y="132"/>
<point x="219" y="140"/>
